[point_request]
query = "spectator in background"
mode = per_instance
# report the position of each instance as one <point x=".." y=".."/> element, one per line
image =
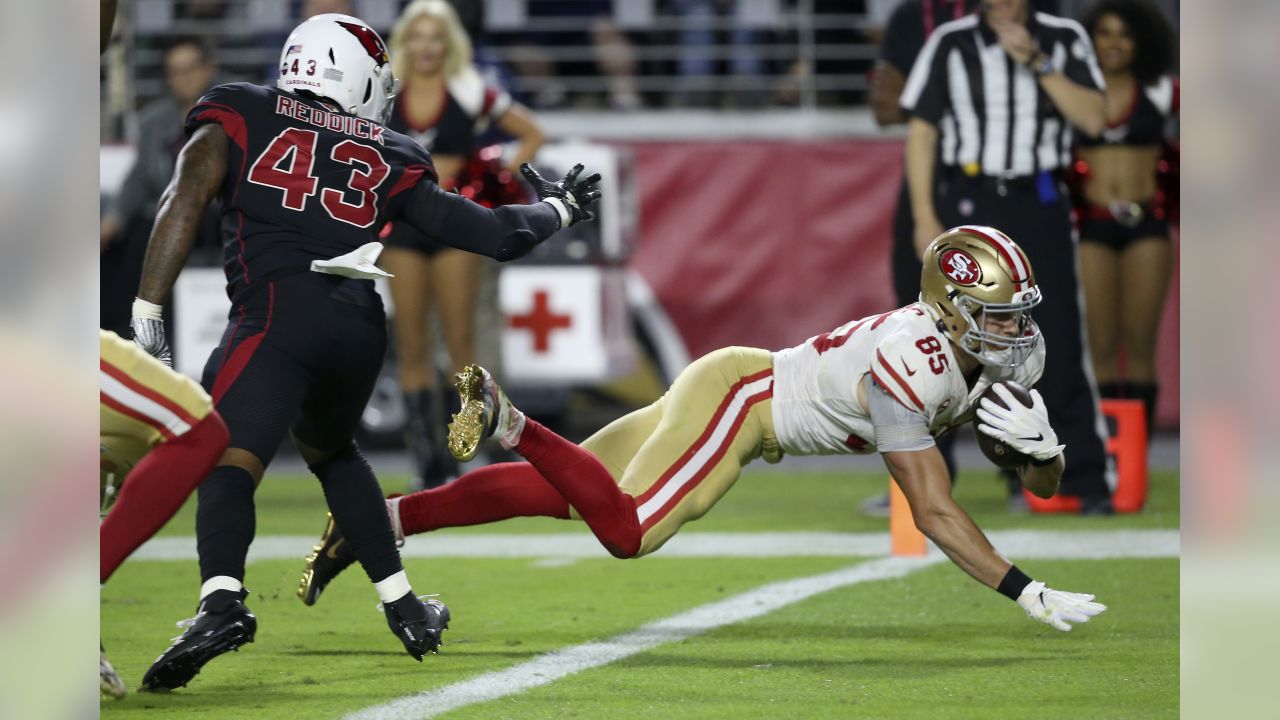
<point x="445" y="105"/>
<point x="992" y="100"/>
<point x="533" y="54"/>
<point x="706" y="26"/>
<point x="189" y="70"/>
<point x="833" y="28"/>
<point x="1126" y="255"/>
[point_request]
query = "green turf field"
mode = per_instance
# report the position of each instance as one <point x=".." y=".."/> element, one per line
<point x="931" y="644"/>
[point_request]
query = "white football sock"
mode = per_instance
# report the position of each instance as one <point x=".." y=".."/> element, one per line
<point x="510" y="427"/>
<point x="393" y="587"/>
<point x="220" y="582"/>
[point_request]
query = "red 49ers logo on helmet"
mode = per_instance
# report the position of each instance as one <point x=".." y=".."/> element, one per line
<point x="370" y="40"/>
<point x="960" y="267"/>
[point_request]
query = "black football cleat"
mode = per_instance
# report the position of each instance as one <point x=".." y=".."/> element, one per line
<point x="221" y="624"/>
<point x="330" y="557"/>
<point x="418" y="623"/>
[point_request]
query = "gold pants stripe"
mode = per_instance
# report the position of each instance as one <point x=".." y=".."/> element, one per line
<point x="143" y="399"/>
<point x="707" y="451"/>
<point x="680" y="455"/>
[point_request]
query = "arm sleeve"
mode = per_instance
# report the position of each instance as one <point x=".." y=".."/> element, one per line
<point x="897" y="428"/>
<point x="504" y="233"/>
<point x="1081" y="65"/>
<point x="925" y="95"/>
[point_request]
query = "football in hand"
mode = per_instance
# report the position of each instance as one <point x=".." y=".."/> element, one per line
<point x="1000" y="454"/>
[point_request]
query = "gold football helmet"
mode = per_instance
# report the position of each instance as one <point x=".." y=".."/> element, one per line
<point x="971" y="271"/>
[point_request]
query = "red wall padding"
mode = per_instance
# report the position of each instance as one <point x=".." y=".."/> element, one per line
<point x="766" y="243"/>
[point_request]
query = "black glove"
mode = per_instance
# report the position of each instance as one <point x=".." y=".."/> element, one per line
<point x="570" y="196"/>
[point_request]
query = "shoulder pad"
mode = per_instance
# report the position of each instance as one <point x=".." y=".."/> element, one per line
<point x="900" y="365"/>
<point x="226" y="105"/>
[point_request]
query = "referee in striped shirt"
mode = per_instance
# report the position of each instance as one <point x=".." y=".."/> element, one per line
<point x="993" y="99"/>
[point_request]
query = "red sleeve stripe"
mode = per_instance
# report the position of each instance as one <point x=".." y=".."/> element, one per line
<point x="230" y="120"/>
<point x="885" y="386"/>
<point x="897" y="379"/>
<point x="408" y="179"/>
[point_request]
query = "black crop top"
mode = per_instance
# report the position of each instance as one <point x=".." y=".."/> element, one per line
<point x="1144" y="123"/>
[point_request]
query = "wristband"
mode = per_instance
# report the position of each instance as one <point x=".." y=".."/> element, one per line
<point x="561" y="209"/>
<point x="145" y="309"/>
<point x="1014" y="582"/>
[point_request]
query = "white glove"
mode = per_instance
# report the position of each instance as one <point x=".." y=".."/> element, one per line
<point x="1058" y="608"/>
<point x="1025" y="429"/>
<point x="148" y="331"/>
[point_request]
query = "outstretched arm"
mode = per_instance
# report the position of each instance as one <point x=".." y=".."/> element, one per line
<point x="506" y="232"/>
<point x="917" y="466"/>
<point x="923" y="477"/>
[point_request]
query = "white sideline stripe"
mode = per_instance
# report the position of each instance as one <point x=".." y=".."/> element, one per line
<point x="718" y="437"/>
<point x="554" y="665"/>
<point x="1064" y="544"/>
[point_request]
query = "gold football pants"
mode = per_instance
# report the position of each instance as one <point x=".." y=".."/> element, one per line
<point x="141" y="401"/>
<point x="678" y="456"/>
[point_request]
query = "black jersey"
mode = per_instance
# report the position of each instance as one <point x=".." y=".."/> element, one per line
<point x="303" y="182"/>
<point x="1146" y="121"/>
<point x="469" y="107"/>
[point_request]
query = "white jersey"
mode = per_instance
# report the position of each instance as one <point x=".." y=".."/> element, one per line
<point x="815" y="393"/>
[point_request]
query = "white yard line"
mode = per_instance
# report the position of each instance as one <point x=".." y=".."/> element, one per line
<point x="552" y="549"/>
<point x="554" y="665"/>
<point x="1012" y="543"/>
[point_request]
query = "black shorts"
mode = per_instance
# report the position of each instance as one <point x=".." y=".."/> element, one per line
<point x="301" y="353"/>
<point x="400" y="234"/>
<point x="1100" y="226"/>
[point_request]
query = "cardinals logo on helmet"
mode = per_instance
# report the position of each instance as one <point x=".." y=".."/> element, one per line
<point x="960" y="267"/>
<point x="370" y="40"/>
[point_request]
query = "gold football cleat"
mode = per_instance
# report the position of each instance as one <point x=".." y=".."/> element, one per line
<point x="331" y="556"/>
<point x="470" y="424"/>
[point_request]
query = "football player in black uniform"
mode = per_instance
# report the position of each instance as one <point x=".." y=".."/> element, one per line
<point x="307" y="173"/>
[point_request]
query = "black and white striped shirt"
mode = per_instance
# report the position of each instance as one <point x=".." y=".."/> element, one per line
<point x="992" y="116"/>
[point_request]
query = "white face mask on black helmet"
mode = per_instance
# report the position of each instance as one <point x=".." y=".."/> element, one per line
<point x="340" y="58"/>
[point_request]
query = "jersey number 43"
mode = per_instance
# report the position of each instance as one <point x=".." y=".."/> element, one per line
<point x="289" y="160"/>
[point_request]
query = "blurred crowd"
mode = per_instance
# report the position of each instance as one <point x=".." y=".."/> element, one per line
<point x="559" y="54"/>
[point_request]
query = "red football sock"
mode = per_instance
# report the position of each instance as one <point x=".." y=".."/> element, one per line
<point x="486" y="495"/>
<point x="587" y="485"/>
<point x="156" y="488"/>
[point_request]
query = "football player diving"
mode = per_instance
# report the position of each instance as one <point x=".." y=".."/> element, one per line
<point x="888" y="383"/>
